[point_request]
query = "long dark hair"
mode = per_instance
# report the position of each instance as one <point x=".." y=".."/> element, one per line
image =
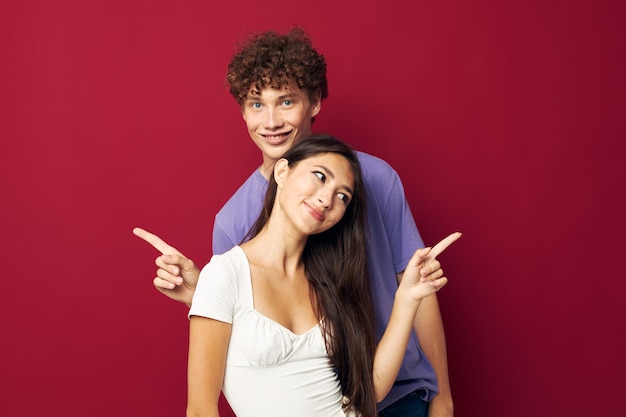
<point x="336" y="267"/>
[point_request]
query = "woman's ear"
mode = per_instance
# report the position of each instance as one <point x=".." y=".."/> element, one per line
<point x="281" y="168"/>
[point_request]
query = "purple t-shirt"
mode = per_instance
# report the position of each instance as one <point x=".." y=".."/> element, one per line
<point x="393" y="238"/>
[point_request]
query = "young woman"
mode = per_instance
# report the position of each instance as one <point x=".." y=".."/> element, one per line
<point x="283" y="323"/>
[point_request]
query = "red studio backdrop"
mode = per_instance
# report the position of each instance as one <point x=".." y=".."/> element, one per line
<point x="505" y="121"/>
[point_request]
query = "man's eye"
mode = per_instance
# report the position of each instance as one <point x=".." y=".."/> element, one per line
<point x="256" y="105"/>
<point x="287" y="102"/>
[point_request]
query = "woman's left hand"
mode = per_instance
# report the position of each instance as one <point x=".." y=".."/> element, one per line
<point x="423" y="275"/>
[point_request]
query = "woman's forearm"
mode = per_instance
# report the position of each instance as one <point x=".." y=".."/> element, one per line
<point x="392" y="346"/>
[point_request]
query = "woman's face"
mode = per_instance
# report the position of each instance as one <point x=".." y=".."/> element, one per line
<point x="315" y="192"/>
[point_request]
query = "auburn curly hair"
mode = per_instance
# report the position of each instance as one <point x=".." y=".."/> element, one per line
<point x="275" y="60"/>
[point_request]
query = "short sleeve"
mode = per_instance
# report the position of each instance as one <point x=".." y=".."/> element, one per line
<point x="216" y="293"/>
<point x="234" y="220"/>
<point x="400" y="225"/>
<point x="392" y="228"/>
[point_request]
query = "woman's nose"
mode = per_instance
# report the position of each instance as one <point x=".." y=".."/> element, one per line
<point x="325" y="197"/>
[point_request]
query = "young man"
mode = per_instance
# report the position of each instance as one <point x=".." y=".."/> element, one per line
<point x="280" y="82"/>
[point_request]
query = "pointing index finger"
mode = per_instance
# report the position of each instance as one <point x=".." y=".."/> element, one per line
<point x="441" y="246"/>
<point x="156" y="242"/>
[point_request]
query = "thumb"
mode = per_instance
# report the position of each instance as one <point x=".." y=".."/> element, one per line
<point x="180" y="260"/>
<point x="188" y="266"/>
<point x="418" y="257"/>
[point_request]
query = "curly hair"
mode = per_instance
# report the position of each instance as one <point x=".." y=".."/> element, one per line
<point x="275" y="60"/>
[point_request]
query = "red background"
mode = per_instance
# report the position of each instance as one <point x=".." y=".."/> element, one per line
<point x="504" y="119"/>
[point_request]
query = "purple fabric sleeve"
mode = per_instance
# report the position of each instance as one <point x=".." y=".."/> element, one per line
<point x="237" y="216"/>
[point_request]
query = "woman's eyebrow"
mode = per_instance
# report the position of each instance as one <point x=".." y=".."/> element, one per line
<point x="331" y="175"/>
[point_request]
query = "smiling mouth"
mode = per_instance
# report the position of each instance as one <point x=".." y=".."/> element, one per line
<point x="276" y="138"/>
<point x="316" y="213"/>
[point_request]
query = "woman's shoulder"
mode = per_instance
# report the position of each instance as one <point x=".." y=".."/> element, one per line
<point x="234" y="261"/>
<point x="234" y="256"/>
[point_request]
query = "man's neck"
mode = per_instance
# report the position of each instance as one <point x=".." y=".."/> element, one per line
<point x="266" y="169"/>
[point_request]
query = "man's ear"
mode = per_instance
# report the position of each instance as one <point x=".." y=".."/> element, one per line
<point x="316" y="104"/>
<point x="281" y="168"/>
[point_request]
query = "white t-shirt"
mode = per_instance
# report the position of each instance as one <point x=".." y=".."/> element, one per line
<point x="270" y="371"/>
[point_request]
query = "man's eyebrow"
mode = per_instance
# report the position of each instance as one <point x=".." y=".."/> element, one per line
<point x="331" y="175"/>
<point x="256" y="95"/>
<point x="287" y="95"/>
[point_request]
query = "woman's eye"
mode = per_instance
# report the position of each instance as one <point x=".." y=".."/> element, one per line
<point x="343" y="197"/>
<point x="320" y="176"/>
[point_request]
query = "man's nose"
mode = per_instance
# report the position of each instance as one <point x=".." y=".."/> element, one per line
<point x="273" y="119"/>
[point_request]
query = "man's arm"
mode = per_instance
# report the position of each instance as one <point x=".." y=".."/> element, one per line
<point x="430" y="333"/>
<point x="392" y="346"/>
<point x="422" y="277"/>
<point x="177" y="275"/>
<point x="428" y="326"/>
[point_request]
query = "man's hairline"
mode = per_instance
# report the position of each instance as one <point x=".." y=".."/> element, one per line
<point x="313" y="96"/>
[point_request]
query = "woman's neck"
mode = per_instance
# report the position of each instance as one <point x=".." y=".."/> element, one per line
<point x="275" y="245"/>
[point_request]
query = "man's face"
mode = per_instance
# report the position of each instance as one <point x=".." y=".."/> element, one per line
<point x="278" y="118"/>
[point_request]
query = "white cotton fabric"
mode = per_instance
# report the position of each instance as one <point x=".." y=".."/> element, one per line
<point x="270" y="371"/>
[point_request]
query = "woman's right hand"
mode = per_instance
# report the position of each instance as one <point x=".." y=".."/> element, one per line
<point x="177" y="275"/>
